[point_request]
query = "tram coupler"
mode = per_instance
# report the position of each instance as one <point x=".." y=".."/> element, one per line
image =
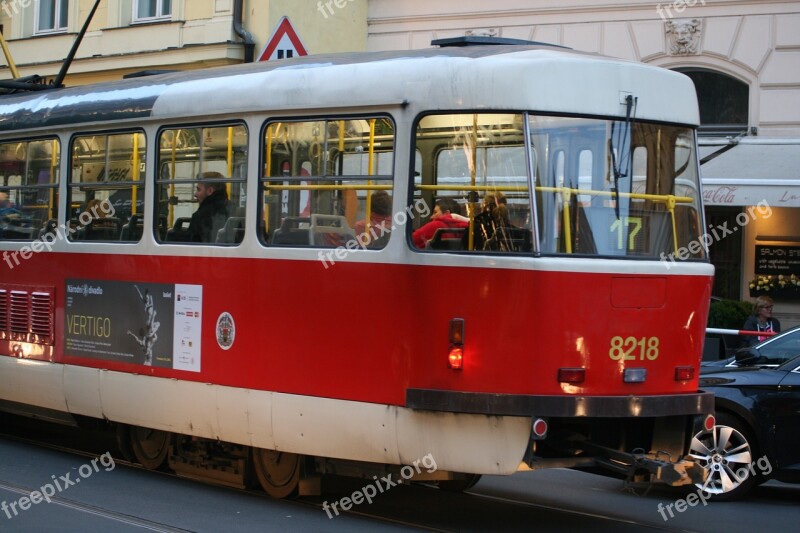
<point x="658" y="465"/>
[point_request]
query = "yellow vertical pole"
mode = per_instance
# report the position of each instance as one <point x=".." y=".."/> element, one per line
<point x="565" y="192"/>
<point x="370" y="163"/>
<point x="135" y="190"/>
<point x="472" y="181"/>
<point x="268" y="166"/>
<point x="171" y="216"/>
<point x="230" y="159"/>
<point x="55" y="152"/>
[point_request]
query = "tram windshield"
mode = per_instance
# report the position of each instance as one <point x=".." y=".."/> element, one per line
<point x="611" y="188"/>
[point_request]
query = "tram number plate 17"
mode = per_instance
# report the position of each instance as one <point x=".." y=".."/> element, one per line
<point x="632" y="348"/>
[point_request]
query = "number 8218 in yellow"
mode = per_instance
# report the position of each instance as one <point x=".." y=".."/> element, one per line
<point x="632" y="348"/>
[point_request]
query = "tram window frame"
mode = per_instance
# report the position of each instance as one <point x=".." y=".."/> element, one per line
<point x="347" y="227"/>
<point x="102" y="221"/>
<point x="517" y="237"/>
<point x="14" y="218"/>
<point x="171" y="229"/>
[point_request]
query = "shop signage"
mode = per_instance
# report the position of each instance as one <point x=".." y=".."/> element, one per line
<point x="777" y="259"/>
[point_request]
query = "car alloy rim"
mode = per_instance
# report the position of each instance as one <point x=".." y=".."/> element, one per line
<point x="726" y="456"/>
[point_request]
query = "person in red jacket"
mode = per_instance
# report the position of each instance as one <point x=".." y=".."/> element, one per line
<point x="442" y="217"/>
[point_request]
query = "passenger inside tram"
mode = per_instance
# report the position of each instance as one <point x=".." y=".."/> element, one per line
<point x="446" y="217"/>
<point x="212" y="213"/>
<point x="376" y="234"/>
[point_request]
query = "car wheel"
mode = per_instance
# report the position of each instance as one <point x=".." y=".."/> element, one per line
<point x="727" y="454"/>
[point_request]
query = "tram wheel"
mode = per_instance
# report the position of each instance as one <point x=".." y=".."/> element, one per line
<point x="277" y="472"/>
<point x="150" y="446"/>
<point x="459" y="485"/>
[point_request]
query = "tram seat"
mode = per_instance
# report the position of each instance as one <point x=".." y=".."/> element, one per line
<point x="330" y="230"/>
<point x="293" y="230"/>
<point x="232" y="232"/>
<point x="132" y="230"/>
<point x="101" y="229"/>
<point x="50" y="227"/>
<point x="179" y="232"/>
<point x="519" y="239"/>
<point x="447" y="239"/>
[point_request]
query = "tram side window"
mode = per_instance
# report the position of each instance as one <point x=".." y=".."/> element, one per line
<point x="29" y="175"/>
<point x="106" y="187"/>
<point x="202" y="184"/>
<point x="474" y="181"/>
<point x="327" y="183"/>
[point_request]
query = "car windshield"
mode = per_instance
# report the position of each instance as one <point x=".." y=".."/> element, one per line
<point x="774" y="351"/>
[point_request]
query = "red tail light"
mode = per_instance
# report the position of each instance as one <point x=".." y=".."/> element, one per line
<point x="571" y="375"/>
<point x="684" y="373"/>
<point x="455" y="358"/>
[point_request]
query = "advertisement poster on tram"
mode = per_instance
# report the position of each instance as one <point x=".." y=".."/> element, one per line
<point x="151" y="324"/>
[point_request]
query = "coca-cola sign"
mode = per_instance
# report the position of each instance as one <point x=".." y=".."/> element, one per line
<point x="722" y="195"/>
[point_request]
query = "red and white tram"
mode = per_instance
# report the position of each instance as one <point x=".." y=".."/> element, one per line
<point x="573" y="342"/>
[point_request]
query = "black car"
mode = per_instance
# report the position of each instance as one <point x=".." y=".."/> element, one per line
<point x="757" y="431"/>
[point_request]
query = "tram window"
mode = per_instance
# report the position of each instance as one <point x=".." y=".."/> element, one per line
<point x="29" y="175"/>
<point x="106" y="187"/>
<point x="327" y="183"/>
<point x="202" y="184"/>
<point x="477" y="165"/>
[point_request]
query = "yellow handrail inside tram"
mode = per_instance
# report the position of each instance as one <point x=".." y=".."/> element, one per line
<point x="53" y="163"/>
<point x="229" y="159"/>
<point x="669" y="200"/>
<point x="134" y="191"/>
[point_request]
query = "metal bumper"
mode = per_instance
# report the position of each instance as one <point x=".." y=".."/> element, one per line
<point x="560" y="406"/>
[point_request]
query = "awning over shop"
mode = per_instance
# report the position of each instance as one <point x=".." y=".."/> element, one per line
<point x="752" y="171"/>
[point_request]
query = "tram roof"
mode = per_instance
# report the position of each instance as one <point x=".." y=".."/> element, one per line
<point x="536" y="78"/>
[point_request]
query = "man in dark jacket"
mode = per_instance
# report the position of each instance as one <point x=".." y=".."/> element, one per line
<point x="210" y="217"/>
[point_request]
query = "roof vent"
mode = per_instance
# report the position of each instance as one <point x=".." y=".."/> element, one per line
<point x="481" y="40"/>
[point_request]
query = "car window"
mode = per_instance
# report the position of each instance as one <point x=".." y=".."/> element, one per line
<point x="782" y="348"/>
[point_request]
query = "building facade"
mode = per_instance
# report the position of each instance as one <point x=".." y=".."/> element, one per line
<point x="127" y="36"/>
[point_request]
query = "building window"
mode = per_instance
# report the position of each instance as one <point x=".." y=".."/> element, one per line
<point x="723" y="100"/>
<point x="51" y="16"/>
<point x="147" y="10"/>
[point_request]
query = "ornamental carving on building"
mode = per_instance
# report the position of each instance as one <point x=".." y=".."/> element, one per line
<point x="683" y="36"/>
